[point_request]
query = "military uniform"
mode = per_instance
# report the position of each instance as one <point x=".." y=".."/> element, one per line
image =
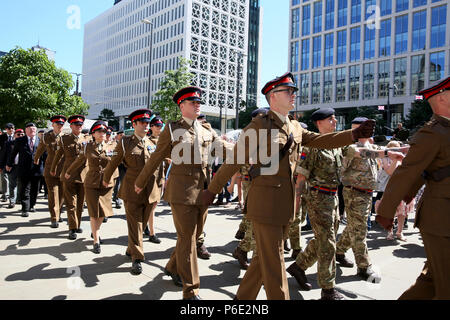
<point x="49" y="144"/>
<point x="359" y="177"/>
<point x="69" y="147"/>
<point x="183" y="191"/>
<point x="134" y="152"/>
<point x="271" y="198"/>
<point x="429" y="157"/>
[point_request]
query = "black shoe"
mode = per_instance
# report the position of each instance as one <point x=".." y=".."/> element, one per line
<point x="105" y="220"/>
<point x="146" y="231"/>
<point x="32" y="210"/>
<point x="136" y="267"/>
<point x="299" y="275"/>
<point x="154" y="239"/>
<point x="295" y="253"/>
<point x="127" y="254"/>
<point x="331" y="294"/>
<point x="79" y="230"/>
<point x="72" y="234"/>
<point x="236" y="199"/>
<point x="369" y="274"/>
<point x="99" y="239"/>
<point x="24" y="214"/>
<point x="202" y="252"/>
<point x="60" y="219"/>
<point x="175" y="278"/>
<point x="343" y="261"/>
<point x="287" y="248"/>
<point x="97" y="249"/>
<point x="4" y="199"/>
<point x="118" y="205"/>
<point x="55" y="224"/>
<point x="197" y="297"/>
<point x="239" y="235"/>
<point x="11" y="206"/>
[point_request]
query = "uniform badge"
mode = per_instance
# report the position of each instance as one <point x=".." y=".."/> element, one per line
<point x="303" y="156"/>
<point x="110" y="153"/>
<point x="151" y="149"/>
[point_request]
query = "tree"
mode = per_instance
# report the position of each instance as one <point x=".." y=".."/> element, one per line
<point x="32" y="88"/>
<point x="419" y="114"/>
<point x="109" y="116"/>
<point x="174" y="81"/>
<point x="245" y="116"/>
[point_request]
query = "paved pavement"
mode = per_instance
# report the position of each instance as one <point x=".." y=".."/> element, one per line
<point x="37" y="262"/>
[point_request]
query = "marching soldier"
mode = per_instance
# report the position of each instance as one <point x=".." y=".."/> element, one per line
<point x="429" y="159"/>
<point x="359" y="177"/>
<point x="49" y="143"/>
<point x="134" y="151"/>
<point x="69" y="147"/>
<point x="271" y="198"/>
<point x="186" y="181"/>
<point x="97" y="153"/>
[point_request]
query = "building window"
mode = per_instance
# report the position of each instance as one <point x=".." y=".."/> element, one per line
<point x="356" y="11"/>
<point x="369" y="43"/>
<point x="304" y="88"/>
<point x="341" y="47"/>
<point x="305" y="54"/>
<point x="419" y="30"/>
<point x="355" y="44"/>
<point x="327" y="85"/>
<point x="401" y="5"/>
<point x="368" y="85"/>
<point x="340" y="84"/>
<point x="317" y="47"/>
<point x="385" y="38"/>
<point x="329" y="15"/>
<point x="437" y="69"/>
<point x="401" y="34"/>
<point x="385" y="7"/>
<point x="417" y="73"/>
<point x="306" y="22"/>
<point x="354" y="82"/>
<point x="294" y="56"/>
<point x="295" y="2"/>
<point x="329" y="39"/>
<point x="369" y="3"/>
<point x="316" y="87"/>
<point x="317" y="27"/>
<point x="438" y="25"/>
<point x="399" y="76"/>
<point x="342" y="13"/>
<point x="418" y="3"/>
<point x="383" y="78"/>
<point x="295" y="23"/>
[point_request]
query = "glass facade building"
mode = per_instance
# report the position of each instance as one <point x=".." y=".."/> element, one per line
<point x="360" y="61"/>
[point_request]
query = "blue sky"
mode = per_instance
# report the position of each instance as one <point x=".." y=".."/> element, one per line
<point x="25" y="22"/>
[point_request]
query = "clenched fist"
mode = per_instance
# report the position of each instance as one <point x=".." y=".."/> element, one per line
<point x="364" y="131"/>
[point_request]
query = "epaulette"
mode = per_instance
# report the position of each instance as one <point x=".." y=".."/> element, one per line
<point x="207" y="125"/>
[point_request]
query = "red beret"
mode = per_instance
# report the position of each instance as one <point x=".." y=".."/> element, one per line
<point x="435" y="88"/>
<point x="286" y="79"/>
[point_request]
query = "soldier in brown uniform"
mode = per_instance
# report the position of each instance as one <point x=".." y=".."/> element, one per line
<point x="69" y="147"/>
<point x="186" y="181"/>
<point x="429" y="158"/>
<point x="97" y="153"/>
<point x="271" y="198"/>
<point x="134" y="151"/>
<point x="49" y="143"/>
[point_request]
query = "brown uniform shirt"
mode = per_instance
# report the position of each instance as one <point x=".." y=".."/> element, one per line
<point x="134" y="153"/>
<point x="98" y="158"/>
<point x="271" y="197"/>
<point x="429" y="151"/>
<point x="49" y="143"/>
<point x="70" y="147"/>
<point x="187" y="178"/>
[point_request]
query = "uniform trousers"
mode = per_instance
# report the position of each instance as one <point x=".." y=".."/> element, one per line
<point x="28" y="190"/>
<point x="12" y="185"/>
<point x="189" y="221"/>
<point x="74" y="199"/>
<point x="267" y="266"/>
<point x="55" y="197"/>
<point x="137" y="216"/>
<point x="4" y="183"/>
<point x="434" y="281"/>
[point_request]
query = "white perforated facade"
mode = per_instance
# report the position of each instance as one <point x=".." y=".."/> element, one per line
<point x="208" y="32"/>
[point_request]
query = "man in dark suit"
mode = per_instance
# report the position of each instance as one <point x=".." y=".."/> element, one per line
<point x="29" y="174"/>
<point x="12" y="174"/>
<point x="8" y="136"/>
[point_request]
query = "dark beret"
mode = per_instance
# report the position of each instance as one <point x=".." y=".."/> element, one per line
<point x="259" y="111"/>
<point x="322" y="114"/>
<point x="359" y="120"/>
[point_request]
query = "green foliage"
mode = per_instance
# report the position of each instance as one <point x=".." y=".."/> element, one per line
<point x="245" y="116"/>
<point x="32" y="88"/>
<point x="174" y="81"/>
<point x="109" y="116"/>
<point x="419" y="114"/>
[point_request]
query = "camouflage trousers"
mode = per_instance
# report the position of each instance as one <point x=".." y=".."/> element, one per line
<point x="324" y="217"/>
<point x="248" y="243"/>
<point x="294" y="227"/>
<point x="357" y="208"/>
<point x="245" y="223"/>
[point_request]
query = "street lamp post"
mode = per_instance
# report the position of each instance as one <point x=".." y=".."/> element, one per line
<point x="77" y="92"/>
<point x="146" y="21"/>
<point x="388" y="108"/>
<point x="238" y="86"/>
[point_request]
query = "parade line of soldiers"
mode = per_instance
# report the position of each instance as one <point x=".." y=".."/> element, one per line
<point x="310" y="166"/>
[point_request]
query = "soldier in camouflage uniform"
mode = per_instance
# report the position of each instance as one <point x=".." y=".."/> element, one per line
<point x="359" y="177"/>
<point x="320" y="169"/>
